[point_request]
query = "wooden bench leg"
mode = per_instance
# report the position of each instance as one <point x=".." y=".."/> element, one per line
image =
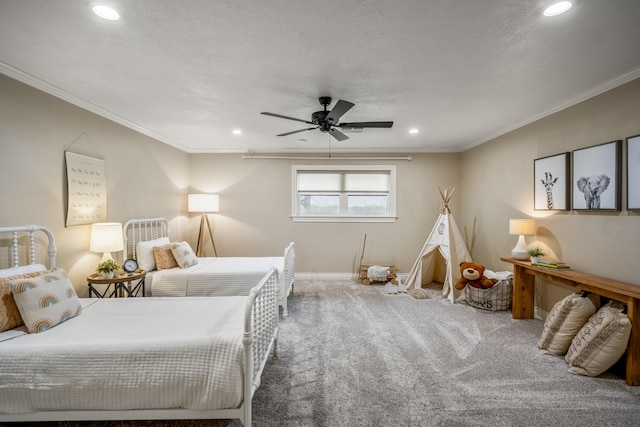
<point x="633" y="348"/>
<point x="522" y="302"/>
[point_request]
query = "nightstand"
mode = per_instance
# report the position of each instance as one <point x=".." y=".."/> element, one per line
<point x="123" y="285"/>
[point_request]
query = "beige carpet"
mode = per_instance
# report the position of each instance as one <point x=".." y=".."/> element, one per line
<point x="352" y="355"/>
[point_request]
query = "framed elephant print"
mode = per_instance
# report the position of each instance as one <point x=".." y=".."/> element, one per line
<point x="595" y="177"/>
<point x="633" y="173"/>
<point x="551" y="183"/>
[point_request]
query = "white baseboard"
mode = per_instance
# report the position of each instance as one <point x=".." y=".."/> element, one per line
<point x="335" y="276"/>
<point x="326" y="276"/>
<point x="539" y="313"/>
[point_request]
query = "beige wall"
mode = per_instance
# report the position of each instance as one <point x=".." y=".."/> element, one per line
<point x="144" y="178"/>
<point x="255" y="217"/>
<point x="497" y="184"/>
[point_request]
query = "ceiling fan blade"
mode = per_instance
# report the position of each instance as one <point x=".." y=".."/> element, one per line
<point x="296" y="131"/>
<point x="366" y="125"/>
<point x="352" y="130"/>
<point x="285" y="117"/>
<point x="338" y="135"/>
<point x="337" y="112"/>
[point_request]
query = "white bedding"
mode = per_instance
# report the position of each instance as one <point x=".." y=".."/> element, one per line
<point x="222" y="276"/>
<point x="130" y="353"/>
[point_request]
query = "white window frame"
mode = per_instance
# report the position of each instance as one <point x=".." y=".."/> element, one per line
<point x="390" y="169"/>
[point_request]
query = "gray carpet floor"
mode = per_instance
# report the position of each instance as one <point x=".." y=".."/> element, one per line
<point x="352" y="355"/>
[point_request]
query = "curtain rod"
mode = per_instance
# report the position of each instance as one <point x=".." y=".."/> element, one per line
<point x="275" y="157"/>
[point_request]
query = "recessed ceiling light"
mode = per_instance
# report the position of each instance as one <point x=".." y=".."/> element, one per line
<point x="237" y="132"/>
<point x="414" y="130"/>
<point x="106" y="12"/>
<point x="557" y="8"/>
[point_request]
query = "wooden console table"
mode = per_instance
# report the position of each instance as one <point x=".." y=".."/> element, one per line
<point x="522" y="304"/>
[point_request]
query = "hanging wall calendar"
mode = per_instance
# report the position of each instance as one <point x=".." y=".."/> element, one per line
<point x="86" y="189"/>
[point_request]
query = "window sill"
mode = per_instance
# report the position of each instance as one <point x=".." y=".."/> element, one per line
<point x="344" y="219"/>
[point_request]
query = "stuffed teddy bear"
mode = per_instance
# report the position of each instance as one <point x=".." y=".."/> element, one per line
<point x="472" y="274"/>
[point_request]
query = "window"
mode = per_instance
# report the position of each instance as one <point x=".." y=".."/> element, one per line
<point x="344" y="193"/>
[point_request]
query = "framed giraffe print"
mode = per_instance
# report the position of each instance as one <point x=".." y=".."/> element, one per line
<point x="551" y="183"/>
<point x="633" y="173"/>
<point x="596" y="177"/>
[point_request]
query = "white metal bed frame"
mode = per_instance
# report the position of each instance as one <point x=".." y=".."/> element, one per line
<point x="31" y="257"/>
<point x="260" y="340"/>
<point x="140" y="230"/>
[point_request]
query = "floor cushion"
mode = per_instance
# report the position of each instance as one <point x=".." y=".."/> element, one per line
<point x="601" y="341"/>
<point x="564" y="321"/>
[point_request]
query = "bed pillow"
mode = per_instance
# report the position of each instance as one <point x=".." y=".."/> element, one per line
<point x="144" y="252"/>
<point x="565" y="320"/>
<point x="184" y="255"/>
<point x="601" y="342"/>
<point x="45" y="301"/>
<point x="164" y="257"/>
<point x="9" y="314"/>
<point x="23" y="269"/>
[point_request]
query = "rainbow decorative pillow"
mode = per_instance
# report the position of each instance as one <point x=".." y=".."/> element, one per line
<point x="45" y="301"/>
<point x="9" y="313"/>
<point x="184" y="255"/>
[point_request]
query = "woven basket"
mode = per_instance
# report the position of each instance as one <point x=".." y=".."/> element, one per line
<point x="497" y="298"/>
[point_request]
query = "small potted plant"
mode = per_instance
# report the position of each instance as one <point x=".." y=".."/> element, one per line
<point x="535" y="253"/>
<point x="108" y="268"/>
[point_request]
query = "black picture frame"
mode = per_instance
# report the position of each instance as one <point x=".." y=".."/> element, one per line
<point x="633" y="173"/>
<point x="551" y="183"/>
<point x="596" y="175"/>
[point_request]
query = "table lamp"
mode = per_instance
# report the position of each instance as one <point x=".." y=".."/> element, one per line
<point x="106" y="237"/>
<point x="204" y="203"/>
<point x="521" y="228"/>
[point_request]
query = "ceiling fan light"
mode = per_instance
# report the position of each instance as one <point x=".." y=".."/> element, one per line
<point x="557" y="8"/>
<point x="106" y="12"/>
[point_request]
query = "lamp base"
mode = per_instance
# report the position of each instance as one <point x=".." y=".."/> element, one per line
<point x="204" y="218"/>
<point x="522" y="256"/>
<point x="520" y="251"/>
<point x="106" y="256"/>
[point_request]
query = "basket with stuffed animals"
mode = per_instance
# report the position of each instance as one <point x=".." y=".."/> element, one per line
<point x="485" y="289"/>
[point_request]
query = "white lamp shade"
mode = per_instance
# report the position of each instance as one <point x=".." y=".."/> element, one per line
<point x="106" y="237"/>
<point x="522" y="227"/>
<point x="204" y="203"/>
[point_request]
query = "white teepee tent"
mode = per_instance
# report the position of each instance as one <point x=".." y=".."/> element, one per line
<point x="441" y="255"/>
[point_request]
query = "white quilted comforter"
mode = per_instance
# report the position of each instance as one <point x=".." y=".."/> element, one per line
<point x="212" y="277"/>
<point x="129" y="353"/>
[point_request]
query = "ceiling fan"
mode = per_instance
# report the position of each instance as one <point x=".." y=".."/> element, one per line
<point x="329" y="121"/>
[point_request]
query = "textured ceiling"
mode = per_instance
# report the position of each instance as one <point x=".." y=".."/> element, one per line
<point x="188" y="72"/>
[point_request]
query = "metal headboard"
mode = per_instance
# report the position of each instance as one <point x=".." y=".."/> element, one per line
<point x="31" y="229"/>
<point x="140" y="230"/>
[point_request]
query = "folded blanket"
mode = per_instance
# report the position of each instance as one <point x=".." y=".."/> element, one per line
<point x="500" y="275"/>
<point x="377" y="273"/>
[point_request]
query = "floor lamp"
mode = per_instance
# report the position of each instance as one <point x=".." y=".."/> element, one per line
<point x="204" y="203"/>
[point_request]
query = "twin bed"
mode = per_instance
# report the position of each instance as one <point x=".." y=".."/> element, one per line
<point x="211" y="276"/>
<point x="137" y="358"/>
